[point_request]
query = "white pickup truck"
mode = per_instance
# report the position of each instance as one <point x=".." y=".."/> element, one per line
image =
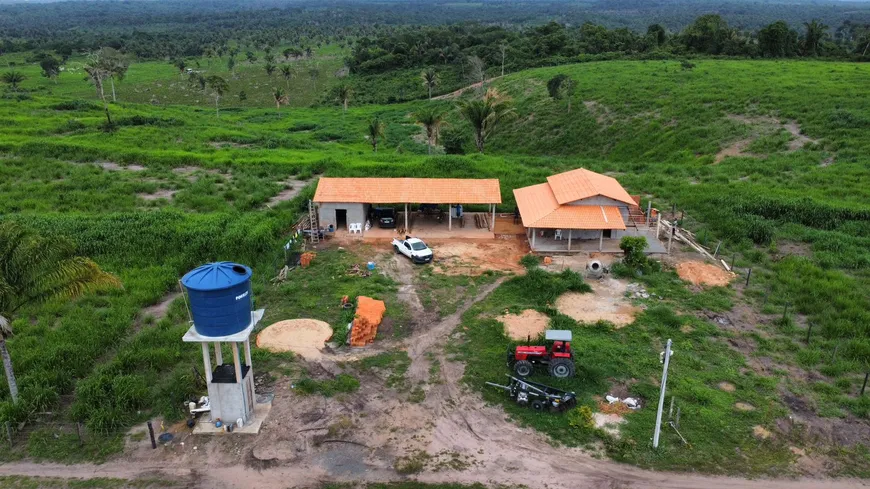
<point x="413" y="248"/>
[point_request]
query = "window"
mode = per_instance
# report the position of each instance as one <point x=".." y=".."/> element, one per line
<point x="419" y="246"/>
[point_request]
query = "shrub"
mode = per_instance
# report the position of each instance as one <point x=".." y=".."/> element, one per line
<point x="635" y="260"/>
<point x="581" y="418"/>
<point x="530" y="261"/>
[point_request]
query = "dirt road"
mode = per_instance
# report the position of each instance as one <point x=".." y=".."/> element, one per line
<point x="451" y="424"/>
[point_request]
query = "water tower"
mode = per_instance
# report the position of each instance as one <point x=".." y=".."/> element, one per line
<point x="220" y="300"/>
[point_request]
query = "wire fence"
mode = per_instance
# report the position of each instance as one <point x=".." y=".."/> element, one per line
<point x="17" y="435"/>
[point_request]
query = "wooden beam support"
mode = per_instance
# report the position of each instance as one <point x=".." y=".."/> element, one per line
<point x="237" y="362"/>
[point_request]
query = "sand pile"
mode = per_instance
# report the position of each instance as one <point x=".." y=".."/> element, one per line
<point x="304" y="337"/>
<point x="700" y="273"/>
<point x="607" y="302"/>
<point x="369" y="313"/>
<point x="528" y="323"/>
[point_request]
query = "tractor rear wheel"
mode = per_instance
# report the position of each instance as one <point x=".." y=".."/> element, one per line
<point x="562" y="368"/>
<point x="538" y="405"/>
<point x="524" y="368"/>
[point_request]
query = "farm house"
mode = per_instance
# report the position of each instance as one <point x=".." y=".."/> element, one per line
<point x="581" y="211"/>
<point x="427" y="207"/>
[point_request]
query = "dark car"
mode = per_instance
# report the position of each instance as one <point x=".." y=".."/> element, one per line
<point x="386" y="216"/>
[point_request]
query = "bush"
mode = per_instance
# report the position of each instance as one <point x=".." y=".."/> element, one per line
<point x="530" y="261"/>
<point x="581" y="418"/>
<point x="635" y="260"/>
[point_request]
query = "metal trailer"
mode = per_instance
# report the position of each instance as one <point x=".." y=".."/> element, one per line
<point x="539" y="396"/>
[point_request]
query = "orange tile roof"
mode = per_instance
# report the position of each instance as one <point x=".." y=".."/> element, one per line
<point x="582" y="217"/>
<point x="581" y="184"/>
<point x="410" y="190"/>
<point x="540" y="206"/>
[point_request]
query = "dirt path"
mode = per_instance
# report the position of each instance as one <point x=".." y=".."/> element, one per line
<point x="452" y="419"/>
<point x="458" y="93"/>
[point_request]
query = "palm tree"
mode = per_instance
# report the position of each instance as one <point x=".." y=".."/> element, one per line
<point x="97" y="72"/>
<point x="376" y="130"/>
<point x="270" y="68"/>
<point x="280" y="98"/>
<point x="34" y="269"/>
<point x="219" y="86"/>
<point x="345" y="92"/>
<point x="432" y="119"/>
<point x="287" y="52"/>
<point x="13" y="78"/>
<point x="287" y="73"/>
<point x="485" y="115"/>
<point x="430" y="79"/>
<point x="231" y="65"/>
<point x="815" y="33"/>
<point x="116" y="65"/>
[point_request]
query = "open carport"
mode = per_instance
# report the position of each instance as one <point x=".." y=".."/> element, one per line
<point x="346" y="203"/>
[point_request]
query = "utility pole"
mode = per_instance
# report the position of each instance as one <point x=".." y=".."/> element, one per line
<point x="666" y="357"/>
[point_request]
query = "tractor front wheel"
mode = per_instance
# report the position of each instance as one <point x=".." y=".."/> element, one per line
<point x="523" y="368"/>
<point x="562" y="368"/>
<point x="538" y="405"/>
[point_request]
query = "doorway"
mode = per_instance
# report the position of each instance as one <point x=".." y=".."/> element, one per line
<point x="607" y="233"/>
<point x="341" y="219"/>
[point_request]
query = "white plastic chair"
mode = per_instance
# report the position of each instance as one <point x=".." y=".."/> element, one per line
<point x="355" y="227"/>
<point x="559" y="234"/>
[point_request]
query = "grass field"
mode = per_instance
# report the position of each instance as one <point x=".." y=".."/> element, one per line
<point x="793" y="206"/>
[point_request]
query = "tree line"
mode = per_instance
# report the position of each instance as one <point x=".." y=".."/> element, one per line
<point x="555" y="43"/>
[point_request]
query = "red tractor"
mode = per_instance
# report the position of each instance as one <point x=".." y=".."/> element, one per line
<point x="558" y="358"/>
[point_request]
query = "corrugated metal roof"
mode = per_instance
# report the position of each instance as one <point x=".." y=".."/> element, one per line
<point x="581" y="184"/>
<point x="409" y="190"/>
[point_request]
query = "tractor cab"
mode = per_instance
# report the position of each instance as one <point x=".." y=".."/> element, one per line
<point x="561" y="339"/>
<point x="558" y="357"/>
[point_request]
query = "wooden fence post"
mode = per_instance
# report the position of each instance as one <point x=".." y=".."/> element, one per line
<point x="866" y="376"/>
<point x="9" y="433"/>
<point x="151" y="433"/>
<point x="809" y="332"/>
<point x="79" y="432"/>
<point x="716" y="253"/>
<point x="748" y="274"/>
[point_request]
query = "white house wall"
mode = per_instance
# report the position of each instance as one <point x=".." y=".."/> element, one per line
<point x="355" y="213"/>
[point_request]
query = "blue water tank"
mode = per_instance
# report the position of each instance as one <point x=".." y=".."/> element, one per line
<point x="220" y="298"/>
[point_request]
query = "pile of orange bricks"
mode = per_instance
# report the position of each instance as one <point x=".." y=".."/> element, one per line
<point x="369" y="313"/>
<point x="306" y="259"/>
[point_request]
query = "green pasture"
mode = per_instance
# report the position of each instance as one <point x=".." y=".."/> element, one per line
<point x="799" y="218"/>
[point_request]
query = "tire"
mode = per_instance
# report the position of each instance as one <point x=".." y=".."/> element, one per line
<point x="396" y="248"/>
<point x="523" y="368"/>
<point x="562" y="368"/>
<point x="538" y="405"/>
